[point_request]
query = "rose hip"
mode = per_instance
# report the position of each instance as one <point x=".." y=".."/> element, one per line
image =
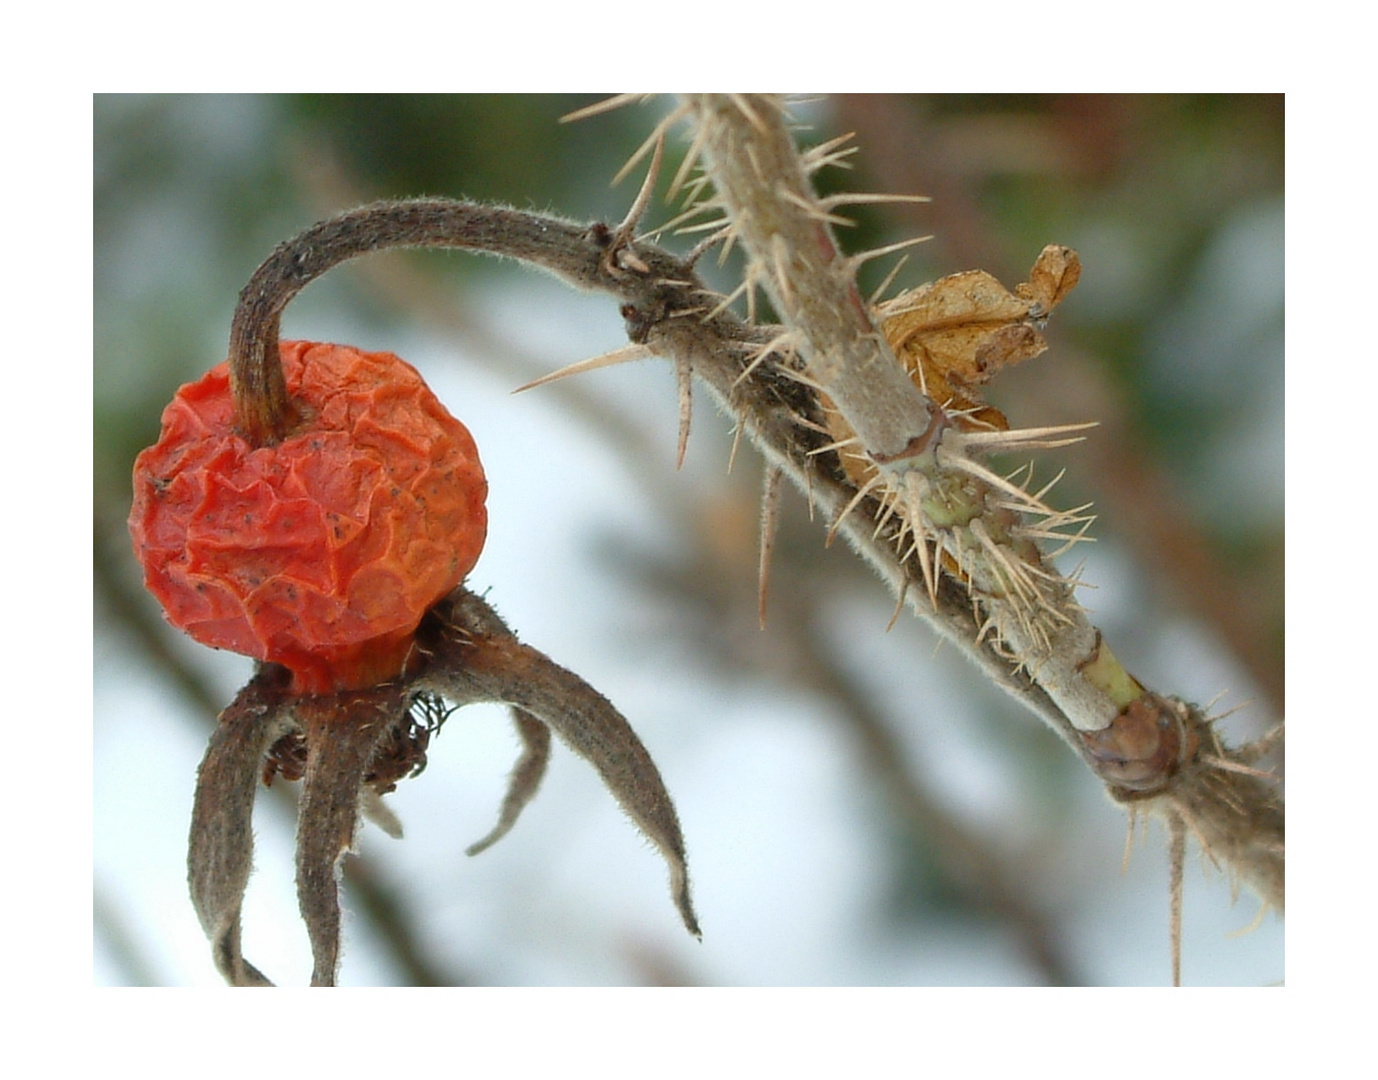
<point x="322" y="552"/>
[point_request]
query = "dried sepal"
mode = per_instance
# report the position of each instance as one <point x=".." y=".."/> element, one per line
<point x="525" y="779"/>
<point x="343" y="732"/>
<point x="770" y="513"/>
<point x="221" y="847"/>
<point x="475" y="657"/>
<point x="959" y="331"/>
<point x="353" y="746"/>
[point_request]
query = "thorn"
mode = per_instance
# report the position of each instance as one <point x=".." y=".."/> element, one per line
<point x="754" y="160"/>
<point x="839" y="445"/>
<point x="930" y="579"/>
<point x="780" y="257"/>
<point x="753" y="117"/>
<point x="770" y="511"/>
<point x="608" y="104"/>
<point x="654" y="139"/>
<point x="804" y="422"/>
<point x="813" y="209"/>
<point x="736" y="443"/>
<point x="962" y="463"/>
<point x="1027" y="467"/>
<point x="374" y="809"/>
<point x="1233" y="766"/>
<point x="1068" y="542"/>
<point x="839" y="160"/>
<point x="1254" y="924"/>
<point x="1177" y="854"/>
<point x="825" y="148"/>
<point x="802" y="378"/>
<point x="914" y="519"/>
<point x="733" y="231"/>
<point x="690" y="158"/>
<point x="888" y="502"/>
<point x="855" y="198"/>
<point x="624" y="232"/>
<point x="677" y="225"/>
<point x="721" y="223"/>
<point x="1052" y="484"/>
<point x="778" y="343"/>
<point x="1213" y="720"/>
<point x="1129" y="839"/>
<point x="694" y="191"/>
<point x="1208" y="706"/>
<point x="684" y="379"/>
<point x="1040" y="438"/>
<point x="899" y="606"/>
<point x="862" y="492"/>
<point x="629" y="259"/>
<point x="728" y="300"/>
<point x="889" y="280"/>
<point x="823" y="154"/>
<point x="752" y="278"/>
<point x="1263" y="745"/>
<point x="705" y="245"/>
<point x="875" y="253"/>
<point x="1021" y="591"/>
<point x="624" y="355"/>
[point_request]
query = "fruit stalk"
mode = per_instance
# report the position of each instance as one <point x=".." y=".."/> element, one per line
<point x="264" y="413"/>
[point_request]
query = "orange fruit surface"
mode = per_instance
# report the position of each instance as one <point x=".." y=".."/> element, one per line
<point x="322" y="552"/>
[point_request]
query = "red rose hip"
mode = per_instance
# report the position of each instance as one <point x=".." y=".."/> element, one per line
<point x="322" y="552"/>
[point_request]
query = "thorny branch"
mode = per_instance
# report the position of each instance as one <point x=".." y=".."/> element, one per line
<point x="917" y="450"/>
<point x="1147" y="748"/>
<point x="909" y="148"/>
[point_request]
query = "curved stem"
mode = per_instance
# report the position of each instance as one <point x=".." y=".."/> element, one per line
<point x="264" y="412"/>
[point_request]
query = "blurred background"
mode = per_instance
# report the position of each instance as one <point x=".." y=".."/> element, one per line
<point x="860" y="806"/>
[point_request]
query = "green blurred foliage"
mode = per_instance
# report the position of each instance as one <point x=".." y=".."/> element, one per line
<point x="488" y="147"/>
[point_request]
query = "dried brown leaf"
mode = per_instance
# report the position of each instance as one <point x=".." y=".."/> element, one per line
<point x="525" y="779"/>
<point x="959" y="331"/>
<point x="941" y="326"/>
<point x="1055" y="273"/>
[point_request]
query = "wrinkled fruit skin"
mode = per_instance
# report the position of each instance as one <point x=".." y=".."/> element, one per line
<point x="323" y="552"/>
